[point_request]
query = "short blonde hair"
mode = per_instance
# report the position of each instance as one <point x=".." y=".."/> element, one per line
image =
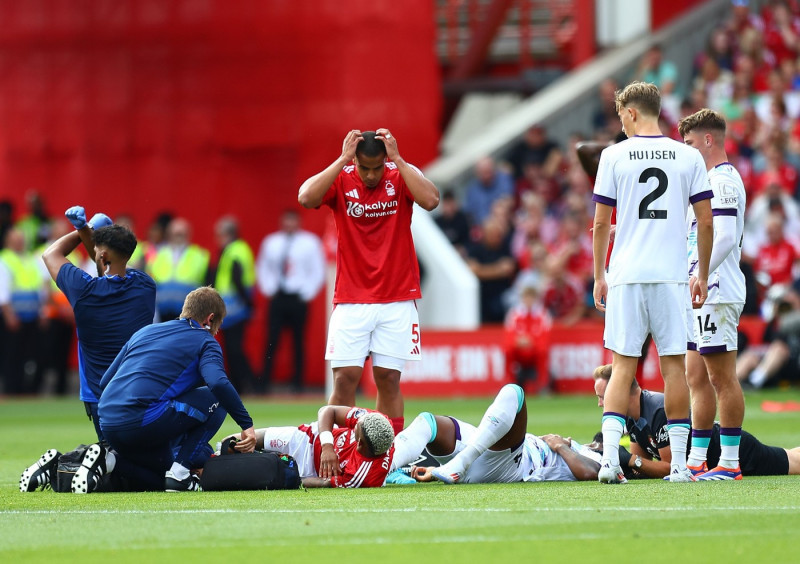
<point x="202" y="302"/>
<point x="604" y="373"/>
<point x="704" y="120"/>
<point x="644" y="96"/>
<point x="377" y="432"/>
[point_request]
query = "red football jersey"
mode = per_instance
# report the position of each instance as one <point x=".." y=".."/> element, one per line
<point x="777" y="261"/>
<point x="534" y="322"/>
<point x="375" y="258"/>
<point x="357" y="471"/>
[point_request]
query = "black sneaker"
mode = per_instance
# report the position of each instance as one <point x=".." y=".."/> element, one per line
<point x="37" y="475"/>
<point x="173" y="484"/>
<point x="93" y="466"/>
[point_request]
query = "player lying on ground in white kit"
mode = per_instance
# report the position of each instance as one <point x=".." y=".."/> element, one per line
<point x="499" y="450"/>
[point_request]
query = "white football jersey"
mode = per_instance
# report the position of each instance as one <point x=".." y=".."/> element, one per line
<point x="726" y="284"/>
<point x="541" y="464"/>
<point x="651" y="181"/>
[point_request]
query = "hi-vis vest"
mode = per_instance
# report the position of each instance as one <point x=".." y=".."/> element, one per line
<point x="237" y="251"/>
<point x="26" y="284"/>
<point x="175" y="280"/>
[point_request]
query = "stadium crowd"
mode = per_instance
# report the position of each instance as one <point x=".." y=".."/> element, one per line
<point x="523" y="222"/>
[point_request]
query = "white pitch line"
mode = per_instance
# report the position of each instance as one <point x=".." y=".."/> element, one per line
<point x="393" y="510"/>
<point x="459" y="538"/>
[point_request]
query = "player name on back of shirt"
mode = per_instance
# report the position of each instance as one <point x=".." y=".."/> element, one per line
<point x="654" y="155"/>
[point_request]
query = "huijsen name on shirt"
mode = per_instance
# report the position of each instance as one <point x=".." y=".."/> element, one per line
<point x="657" y="155"/>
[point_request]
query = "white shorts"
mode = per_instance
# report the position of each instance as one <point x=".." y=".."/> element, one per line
<point x="493" y="466"/>
<point x="389" y="331"/>
<point x="634" y="310"/>
<point x="715" y="327"/>
<point x="294" y="442"/>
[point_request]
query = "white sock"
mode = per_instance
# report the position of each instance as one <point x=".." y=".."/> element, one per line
<point x="180" y="472"/>
<point x="698" y="454"/>
<point x="111" y="462"/>
<point x="758" y="376"/>
<point x="613" y="427"/>
<point x="496" y="422"/>
<point x="408" y="444"/>
<point x="678" y="439"/>
<point x="729" y="440"/>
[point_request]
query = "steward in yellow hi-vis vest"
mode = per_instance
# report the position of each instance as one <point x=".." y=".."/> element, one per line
<point x="26" y="284"/>
<point x="179" y="268"/>
<point x="236" y="255"/>
<point x="234" y="278"/>
<point x="21" y="300"/>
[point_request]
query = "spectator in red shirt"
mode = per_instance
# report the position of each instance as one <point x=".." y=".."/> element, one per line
<point x="527" y="340"/>
<point x="751" y="44"/>
<point x="782" y="36"/>
<point x="777" y="256"/>
<point x="564" y="295"/>
<point x="773" y="201"/>
<point x="777" y="171"/>
<point x="742" y="19"/>
<point x="573" y="249"/>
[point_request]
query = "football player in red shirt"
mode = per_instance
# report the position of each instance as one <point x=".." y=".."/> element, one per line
<point x="371" y="191"/>
<point x="347" y="447"/>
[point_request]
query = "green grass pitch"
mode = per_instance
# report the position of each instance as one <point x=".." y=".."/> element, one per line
<point x="645" y="521"/>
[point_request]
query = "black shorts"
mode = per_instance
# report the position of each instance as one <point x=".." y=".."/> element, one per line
<point x="755" y="458"/>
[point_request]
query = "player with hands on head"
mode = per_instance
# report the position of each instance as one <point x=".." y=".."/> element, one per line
<point x="650" y="180"/>
<point x="371" y="191"/>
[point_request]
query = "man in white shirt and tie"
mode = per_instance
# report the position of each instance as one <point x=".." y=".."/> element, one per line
<point x="290" y="271"/>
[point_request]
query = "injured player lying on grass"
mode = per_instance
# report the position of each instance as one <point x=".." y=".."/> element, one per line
<point x="498" y="450"/>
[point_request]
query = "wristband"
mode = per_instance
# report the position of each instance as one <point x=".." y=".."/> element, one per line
<point x="326" y="438"/>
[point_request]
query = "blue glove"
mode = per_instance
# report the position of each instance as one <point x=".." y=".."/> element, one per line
<point x="99" y="220"/>
<point x="76" y="216"/>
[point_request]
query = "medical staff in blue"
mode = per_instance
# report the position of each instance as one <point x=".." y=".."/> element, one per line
<point x="166" y="389"/>
<point x="108" y="308"/>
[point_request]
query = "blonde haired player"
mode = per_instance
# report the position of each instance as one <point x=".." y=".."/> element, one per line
<point x="651" y="180"/>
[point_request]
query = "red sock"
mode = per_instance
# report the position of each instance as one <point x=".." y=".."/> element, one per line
<point x="397" y="424"/>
